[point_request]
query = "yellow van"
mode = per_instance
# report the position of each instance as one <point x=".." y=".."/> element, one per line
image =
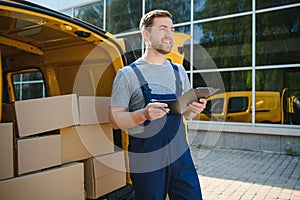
<point x="46" y="54"/>
<point x="237" y="107"/>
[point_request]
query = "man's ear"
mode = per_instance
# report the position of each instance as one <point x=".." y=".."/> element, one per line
<point x="145" y="34"/>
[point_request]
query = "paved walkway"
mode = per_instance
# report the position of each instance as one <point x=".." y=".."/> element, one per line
<point x="227" y="174"/>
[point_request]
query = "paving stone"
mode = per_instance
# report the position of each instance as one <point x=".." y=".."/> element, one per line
<point x="240" y="175"/>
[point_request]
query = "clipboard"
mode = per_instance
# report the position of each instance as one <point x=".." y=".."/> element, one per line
<point x="179" y="105"/>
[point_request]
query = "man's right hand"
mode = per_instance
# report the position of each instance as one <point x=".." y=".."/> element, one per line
<point x="155" y="110"/>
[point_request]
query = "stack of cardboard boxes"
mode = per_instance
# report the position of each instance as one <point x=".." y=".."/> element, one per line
<point x="58" y="148"/>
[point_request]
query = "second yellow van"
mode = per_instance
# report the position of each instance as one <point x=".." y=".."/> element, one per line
<point x="237" y="107"/>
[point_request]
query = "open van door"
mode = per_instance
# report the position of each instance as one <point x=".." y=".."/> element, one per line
<point x="1" y="86"/>
<point x="45" y="50"/>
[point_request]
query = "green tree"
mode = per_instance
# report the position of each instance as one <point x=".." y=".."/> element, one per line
<point x="123" y="15"/>
<point x="180" y="9"/>
<point x="92" y="13"/>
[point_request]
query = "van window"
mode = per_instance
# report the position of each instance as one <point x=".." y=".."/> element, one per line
<point x="28" y="85"/>
<point x="237" y="104"/>
<point x="215" y="106"/>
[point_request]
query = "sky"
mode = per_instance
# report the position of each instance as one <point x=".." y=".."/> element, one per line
<point x="47" y="3"/>
<point x="58" y="4"/>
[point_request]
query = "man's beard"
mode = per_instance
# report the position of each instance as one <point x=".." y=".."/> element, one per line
<point x="162" y="50"/>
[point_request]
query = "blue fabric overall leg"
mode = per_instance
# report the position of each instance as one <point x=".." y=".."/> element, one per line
<point x="160" y="159"/>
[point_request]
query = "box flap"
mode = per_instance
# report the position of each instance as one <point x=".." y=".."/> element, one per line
<point x="82" y="142"/>
<point x="109" y="163"/>
<point x="93" y="110"/>
<point x="105" y="173"/>
<point x="108" y="183"/>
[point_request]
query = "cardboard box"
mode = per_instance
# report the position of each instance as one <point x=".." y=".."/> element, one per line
<point x="83" y="142"/>
<point x="38" y="153"/>
<point x="93" y="110"/>
<point x="6" y="150"/>
<point x="104" y="174"/>
<point x="63" y="183"/>
<point x="45" y="114"/>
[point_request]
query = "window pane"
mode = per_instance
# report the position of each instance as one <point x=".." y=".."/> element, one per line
<point x="202" y="58"/>
<point x="265" y="4"/>
<point x="232" y="104"/>
<point x="212" y="8"/>
<point x="267" y="107"/>
<point x="237" y="81"/>
<point x="277" y="98"/>
<point x="277" y="85"/>
<point x="92" y="13"/>
<point x="16" y="78"/>
<point x="180" y="9"/>
<point x="32" y="91"/>
<point x="183" y="29"/>
<point x="135" y="43"/>
<point x="215" y="106"/>
<point x="278" y="37"/>
<point x="225" y="81"/>
<point x="29" y="85"/>
<point x="67" y="12"/>
<point x="227" y="44"/>
<point x="208" y="79"/>
<point x="184" y="48"/>
<point x="123" y="15"/>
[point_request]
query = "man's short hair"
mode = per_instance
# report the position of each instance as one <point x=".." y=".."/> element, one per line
<point x="147" y="19"/>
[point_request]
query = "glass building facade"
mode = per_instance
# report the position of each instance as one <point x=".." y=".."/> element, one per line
<point x="248" y="48"/>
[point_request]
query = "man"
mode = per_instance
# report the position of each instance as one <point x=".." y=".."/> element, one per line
<point x="159" y="156"/>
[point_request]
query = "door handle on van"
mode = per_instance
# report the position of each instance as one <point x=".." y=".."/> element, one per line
<point x="229" y="118"/>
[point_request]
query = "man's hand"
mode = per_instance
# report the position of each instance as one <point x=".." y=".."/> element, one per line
<point x="156" y="110"/>
<point x="195" y="108"/>
<point x="120" y="118"/>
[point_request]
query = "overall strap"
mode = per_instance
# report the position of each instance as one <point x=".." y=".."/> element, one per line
<point x="143" y="83"/>
<point x="145" y="87"/>
<point x="178" y="81"/>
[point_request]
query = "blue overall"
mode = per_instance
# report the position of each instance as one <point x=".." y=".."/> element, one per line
<point x="159" y="157"/>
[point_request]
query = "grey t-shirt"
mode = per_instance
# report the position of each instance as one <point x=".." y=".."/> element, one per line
<point x="161" y="79"/>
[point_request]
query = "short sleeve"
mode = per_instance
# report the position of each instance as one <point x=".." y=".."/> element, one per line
<point x="186" y="85"/>
<point x="120" y="95"/>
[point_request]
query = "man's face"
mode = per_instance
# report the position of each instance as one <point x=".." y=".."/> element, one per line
<point x="161" y="35"/>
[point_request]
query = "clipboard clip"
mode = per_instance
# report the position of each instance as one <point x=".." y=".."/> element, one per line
<point x="161" y="100"/>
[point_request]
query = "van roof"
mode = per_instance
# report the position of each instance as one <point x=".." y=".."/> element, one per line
<point x="31" y="28"/>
